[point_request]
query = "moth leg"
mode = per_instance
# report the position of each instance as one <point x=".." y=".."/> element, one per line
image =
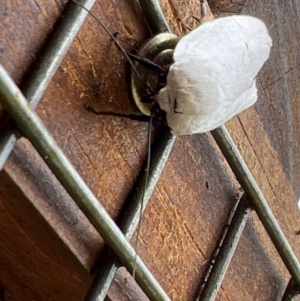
<point x="197" y="20"/>
<point x="206" y="14"/>
<point x="148" y="98"/>
<point x="133" y="116"/>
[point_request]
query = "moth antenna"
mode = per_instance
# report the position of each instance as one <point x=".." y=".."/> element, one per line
<point x="145" y="187"/>
<point x="117" y="44"/>
<point x="156" y="68"/>
<point x="147" y="63"/>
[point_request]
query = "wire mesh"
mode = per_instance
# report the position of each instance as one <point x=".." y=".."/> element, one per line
<point x="34" y="130"/>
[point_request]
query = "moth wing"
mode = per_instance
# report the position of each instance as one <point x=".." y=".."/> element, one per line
<point x="213" y="75"/>
<point x="236" y="47"/>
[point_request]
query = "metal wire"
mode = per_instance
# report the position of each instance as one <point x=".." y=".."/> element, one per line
<point x="157" y="23"/>
<point x="32" y="127"/>
<point x="225" y="251"/>
<point x="40" y="78"/>
<point x="258" y="200"/>
<point x="44" y="143"/>
<point x="161" y="149"/>
<point x="131" y="214"/>
<point x="155" y="17"/>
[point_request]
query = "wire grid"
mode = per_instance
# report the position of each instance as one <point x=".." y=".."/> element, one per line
<point x="30" y="123"/>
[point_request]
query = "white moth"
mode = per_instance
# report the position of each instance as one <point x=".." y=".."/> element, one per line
<point x="213" y="75"/>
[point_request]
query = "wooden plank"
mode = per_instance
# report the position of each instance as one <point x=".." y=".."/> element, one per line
<point x="194" y="195"/>
<point x="279" y="105"/>
<point x="32" y="255"/>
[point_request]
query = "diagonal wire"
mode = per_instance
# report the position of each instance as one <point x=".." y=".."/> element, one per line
<point x="32" y="128"/>
<point x="158" y="24"/>
<point x="161" y="148"/>
<point x="221" y="136"/>
<point x="42" y="75"/>
<point x="108" y="265"/>
<point x="258" y="201"/>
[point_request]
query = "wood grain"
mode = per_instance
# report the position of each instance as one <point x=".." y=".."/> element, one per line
<point x="48" y="249"/>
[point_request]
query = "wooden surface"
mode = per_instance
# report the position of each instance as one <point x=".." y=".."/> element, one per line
<point x="279" y="91"/>
<point x="47" y="247"/>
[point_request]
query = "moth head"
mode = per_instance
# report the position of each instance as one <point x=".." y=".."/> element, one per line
<point x="158" y="50"/>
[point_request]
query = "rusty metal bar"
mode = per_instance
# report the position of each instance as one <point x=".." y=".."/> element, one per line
<point x="50" y="60"/>
<point x="32" y="127"/>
